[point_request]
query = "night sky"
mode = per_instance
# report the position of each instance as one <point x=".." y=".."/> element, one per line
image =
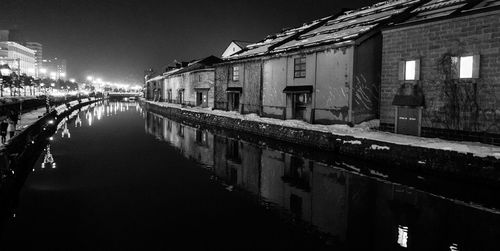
<point x="117" y="40"/>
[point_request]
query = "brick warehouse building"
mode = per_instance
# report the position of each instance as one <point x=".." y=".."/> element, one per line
<point x="441" y="72"/>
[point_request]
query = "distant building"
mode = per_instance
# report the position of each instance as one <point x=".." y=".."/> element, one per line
<point x="12" y="35"/>
<point x="234" y="47"/>
<point x="21" y="59"/>
<point x="185" y="83"/>
<point x="54" y="68"/>
<point x="441" y="72"/>
<point x="38" y="48"/>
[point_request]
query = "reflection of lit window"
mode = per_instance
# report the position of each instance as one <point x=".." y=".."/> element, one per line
<point x="403" y="236"/>
<point x="454" y="247"/>
<point x="410" y="70"/>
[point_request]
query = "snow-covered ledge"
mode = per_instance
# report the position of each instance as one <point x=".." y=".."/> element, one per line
<point x="361" y="131"/>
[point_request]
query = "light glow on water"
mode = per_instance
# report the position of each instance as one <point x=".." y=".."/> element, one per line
<point x="403" y="236"/>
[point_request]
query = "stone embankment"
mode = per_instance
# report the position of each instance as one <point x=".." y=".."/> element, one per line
<point x="441" y="162"/>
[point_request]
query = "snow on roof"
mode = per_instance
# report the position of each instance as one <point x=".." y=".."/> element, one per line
<point x="437" y="8"/>
<point x="196" y="65"/>
<point x="441" y="8"/>
<point x="263" y="46"/>
<point x="350" y="25"/>
<point x="339" y="28"/>
<point x="159" y="77"/>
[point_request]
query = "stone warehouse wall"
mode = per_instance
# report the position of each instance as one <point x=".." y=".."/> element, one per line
<point x="447" y="163"/>
<point x="252" y="86"/>
<point x="221" y="78"/>
<point x="468" y="106"/>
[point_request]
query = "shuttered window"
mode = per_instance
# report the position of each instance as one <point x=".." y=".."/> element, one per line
<point x="465" y="67"/>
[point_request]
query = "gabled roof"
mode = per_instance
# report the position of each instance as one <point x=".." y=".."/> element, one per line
<point x="263" y="46"/>
<point x="351" y="25"/>
<point x="436" y="9"/>
<point x="156" y="78"/>
<point x="196" y="65"/>
<point x="347" y="25"/>
<point x="241" y="44"/>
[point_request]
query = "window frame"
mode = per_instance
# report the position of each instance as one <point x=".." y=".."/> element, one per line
<point x="403" y="70"/>
<point x="299" y="67"/>
<point x="456" y="64"/>
<point x="235" y="69"/>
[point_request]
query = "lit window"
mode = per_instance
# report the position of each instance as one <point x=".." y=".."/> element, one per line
<point x="299" y="69"/>
<point x="236" y="73"/>
<point x="466" y="66"/>
<point x="410" y="70"/>
<point x="403" y="236"/>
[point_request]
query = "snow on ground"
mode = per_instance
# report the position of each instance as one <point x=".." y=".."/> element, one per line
<point x="361" y="131"/>
<point x="29" y="118"/>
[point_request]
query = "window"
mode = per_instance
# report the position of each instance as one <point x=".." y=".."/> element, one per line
<point x="409" y="70"/>
<point x="299" y="67"/>
<point x="236" y="73"/>
<point x="233" y="151"/>
<point x="465" y="67"/>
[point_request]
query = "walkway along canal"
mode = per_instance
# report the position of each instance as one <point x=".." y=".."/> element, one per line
<point x="122" y="177"/>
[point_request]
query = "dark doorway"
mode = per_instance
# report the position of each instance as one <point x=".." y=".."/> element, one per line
<point x="202" y="98"/>
<point x="301" y="101"/>
<point x="233" y="101"/>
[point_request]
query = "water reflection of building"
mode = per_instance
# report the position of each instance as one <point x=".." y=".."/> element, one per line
<point x="357" y="212"/>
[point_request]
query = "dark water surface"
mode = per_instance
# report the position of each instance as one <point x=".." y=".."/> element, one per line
<point x="130" y="179"/>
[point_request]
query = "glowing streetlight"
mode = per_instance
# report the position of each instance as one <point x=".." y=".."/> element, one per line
<point x="53" y="75"/>
<point x="63" y="74"/>
<point x="90" y="78"/>
<point x="43" y="71"/>
<point x="5" y="70"/>
<point x="72" y="80"/>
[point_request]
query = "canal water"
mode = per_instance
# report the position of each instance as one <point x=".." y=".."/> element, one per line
<point x="116" y="176"/>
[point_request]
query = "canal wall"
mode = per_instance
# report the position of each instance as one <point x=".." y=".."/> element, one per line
<point x="19" y="155"/>
<point x="438" y="162"/>
<point x="35" y="134"/>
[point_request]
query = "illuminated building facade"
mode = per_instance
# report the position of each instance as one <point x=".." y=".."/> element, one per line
<point x="20" y="58"/>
